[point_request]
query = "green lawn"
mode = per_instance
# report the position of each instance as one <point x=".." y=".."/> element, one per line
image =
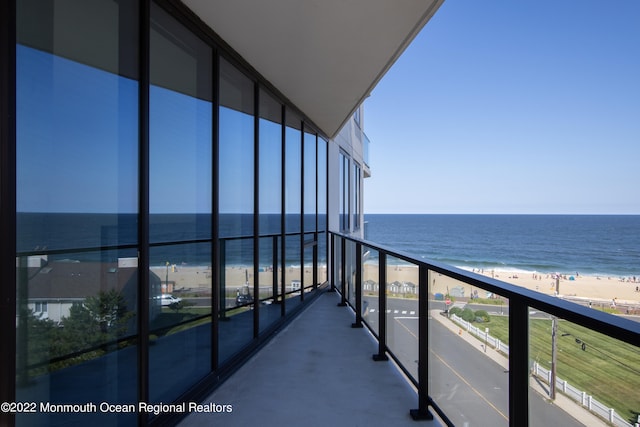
<point x="607" y="369"/>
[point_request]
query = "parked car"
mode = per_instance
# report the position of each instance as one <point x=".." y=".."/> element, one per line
<point x="243" y="296"/>
<point x="167" y="300"/>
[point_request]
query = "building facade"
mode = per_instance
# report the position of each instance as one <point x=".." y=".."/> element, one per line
<point x="146" y="152"/>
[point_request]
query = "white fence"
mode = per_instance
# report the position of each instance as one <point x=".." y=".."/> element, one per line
<point x="581" y="397"/>
<point x="587" y="401"/>
<point x="484" y="336"/>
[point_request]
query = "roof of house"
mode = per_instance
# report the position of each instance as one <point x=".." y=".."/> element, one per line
<point x="78" y="280"/>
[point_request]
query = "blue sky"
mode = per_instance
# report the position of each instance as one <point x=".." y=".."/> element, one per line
<point x="511" y="107"/>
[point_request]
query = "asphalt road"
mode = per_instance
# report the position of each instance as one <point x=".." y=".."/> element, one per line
<point x="469" y="387"/>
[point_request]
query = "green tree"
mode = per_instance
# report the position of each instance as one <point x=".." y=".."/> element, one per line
<point x="100" y="319"/>
<point x="109" y="310"/>
<point x="35" y="341"/>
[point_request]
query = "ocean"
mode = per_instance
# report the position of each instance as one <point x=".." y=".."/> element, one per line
<point x="83" y="237"/>
<point x="594" y="245"/>
<point x="597" y="245"/>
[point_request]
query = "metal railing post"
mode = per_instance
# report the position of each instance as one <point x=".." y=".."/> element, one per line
<point x="422" y="413"/>
<point x="358" y="285"/>
<point x="382" y="308"/>
<point x="518" y="363"/>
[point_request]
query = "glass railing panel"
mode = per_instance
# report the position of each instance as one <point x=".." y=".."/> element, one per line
<point x="350" y="266"/>
<point x="293" y="271"/>
<point x="337" y="263"/>
<point x="402" y="313"/>
<point x="322" y="258"/>
<point x="370" y="287"/>
<point x="468" y="356"/>
<point x="585" y="372"/>
<point x="270" y="290"/>
<point x="308" y="265"/>
<point x="236" y="296"/>
<point x="179" y="318"/>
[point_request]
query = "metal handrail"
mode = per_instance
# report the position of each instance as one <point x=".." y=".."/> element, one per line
<point x="520" y="299"/>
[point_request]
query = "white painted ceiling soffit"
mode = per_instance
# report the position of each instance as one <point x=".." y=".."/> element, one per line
<point x="325" y="56"/>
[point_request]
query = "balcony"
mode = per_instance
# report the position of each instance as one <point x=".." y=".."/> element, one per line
<point x="417" y="359"/>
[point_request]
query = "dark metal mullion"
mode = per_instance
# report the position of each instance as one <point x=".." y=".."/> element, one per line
<point x="348" y="194"/>
<point x="143" y="207"/>
<point x="315" y="228"/>
<point x="256" y="210"/>
<point x="283" y="209"/>
<point x="8" y="203"/>
<point x="302" y="284"/>
<point x="215" y="216"/>
<point x="326" y="206"/>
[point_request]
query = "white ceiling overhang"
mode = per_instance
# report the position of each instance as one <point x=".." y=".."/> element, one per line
<point x="325" y="56"/>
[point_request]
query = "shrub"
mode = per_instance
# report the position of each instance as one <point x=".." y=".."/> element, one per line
<point x="467" y="315"/>
<point x="455" y="310"/>
<point x="482" y="314"/>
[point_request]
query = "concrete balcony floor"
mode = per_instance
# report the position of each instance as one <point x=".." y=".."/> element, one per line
<point x="317" y="371"/>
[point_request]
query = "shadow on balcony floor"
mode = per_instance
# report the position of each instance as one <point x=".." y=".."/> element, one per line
<point x="318" y="371"/>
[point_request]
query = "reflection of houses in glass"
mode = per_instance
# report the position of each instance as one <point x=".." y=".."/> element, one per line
<point x="55" y="286"/>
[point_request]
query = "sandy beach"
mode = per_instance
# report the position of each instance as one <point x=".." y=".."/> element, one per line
<point x="600" y="290"/>
<point x="198" y="279"/>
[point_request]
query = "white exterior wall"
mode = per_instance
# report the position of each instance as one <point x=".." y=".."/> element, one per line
<point x="57" y="309"/>
<point x="350" y="140"/>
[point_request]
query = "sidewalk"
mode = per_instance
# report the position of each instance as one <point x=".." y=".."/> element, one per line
<point x="566" y="404"/>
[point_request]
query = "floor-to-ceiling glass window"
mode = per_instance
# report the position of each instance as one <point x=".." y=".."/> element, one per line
<point x="236" y="169"/>
<point x="344" y="193"/>
<point x="310" y="207"/>
<point x="270" y="192"/>
<point x="322" y="210"/>
<point x="180" y="196"/>
<point x="81" y="156"/>
<point x="356" y="186"/>
<point x="77" y="206"/>
<point x="293" y="208"/>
